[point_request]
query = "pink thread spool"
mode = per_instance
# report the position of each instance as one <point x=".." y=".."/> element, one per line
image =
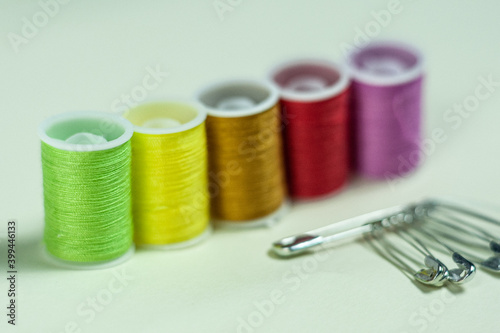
<point x="386" y="109"/>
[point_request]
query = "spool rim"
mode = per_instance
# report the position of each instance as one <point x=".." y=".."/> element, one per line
<point x="199" y="119"/>
<point x="270" y="101"/>
<point x="206" y="233"/>
<point x="311" y="96"/>
<point x="78" y="115"/>
<point x="268" y="220"/>
<point x="92" y="265"/>
<point x="414" y="72"/>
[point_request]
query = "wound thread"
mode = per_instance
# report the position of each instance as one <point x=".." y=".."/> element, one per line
<point x="169" y="173"/>
<point x="246" y="165"/>
<point x="386" y="109"/>
<point x="87" y="190"/>
<point x="314" y="102"/>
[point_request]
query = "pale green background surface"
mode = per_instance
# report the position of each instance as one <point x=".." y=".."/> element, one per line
<point x="89" y="54"/>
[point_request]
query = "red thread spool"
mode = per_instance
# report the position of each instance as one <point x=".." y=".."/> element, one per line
<point x="314" y="101"/>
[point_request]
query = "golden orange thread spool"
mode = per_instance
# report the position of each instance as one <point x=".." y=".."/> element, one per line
<point x="246" y="167"/>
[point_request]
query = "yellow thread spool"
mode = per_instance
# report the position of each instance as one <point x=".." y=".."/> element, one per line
<point x="246" y="167"/>
<point x="169" y="174"/>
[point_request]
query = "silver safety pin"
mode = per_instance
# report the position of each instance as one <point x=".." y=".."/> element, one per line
<point x="436" y="273"/>
<point x="466" y="269"/>
<point x="356" y="226"/>
<point x="363" y="224"/>
<point x="444" y="204"/>
<point x="425" y="211"/>
<point x="428" y="207"/>
<point x="427" y="222"/>
<point x="491" y="263"/>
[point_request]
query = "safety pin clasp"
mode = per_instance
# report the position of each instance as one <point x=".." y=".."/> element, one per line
<point x="465" y="271"/>
<point x="436" y="274"/>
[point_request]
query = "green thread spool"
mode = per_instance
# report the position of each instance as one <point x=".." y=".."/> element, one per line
<point x="86" y="163"/>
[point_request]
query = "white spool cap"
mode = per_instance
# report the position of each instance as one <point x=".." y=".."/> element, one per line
<point x="237" y="98"/>
<point x="84" y="138"/>
<point x="235" y="103"/>
<point x="306" y="83"/>
<point x="162" y="123"/>
<point x="386" y="63"/>
<point x="85" y="131"/>
<point x="309" y="80"/>
<point x="165" y="117"/>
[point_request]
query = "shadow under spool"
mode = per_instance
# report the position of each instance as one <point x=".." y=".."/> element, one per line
<point x="169" y="174"/>
<point x="86" y="159"/>
<point x="314" y="102"/>
<point x="246" y="168"/>
<point x="386" y="109"/>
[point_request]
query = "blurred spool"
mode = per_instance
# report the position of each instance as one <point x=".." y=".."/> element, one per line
<point x="86" y="159"/>
<point x="387" y="109"/>
<point x="247" y="181"/>
<point x="169" y="174"/>
<point x="314" y="102"/>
